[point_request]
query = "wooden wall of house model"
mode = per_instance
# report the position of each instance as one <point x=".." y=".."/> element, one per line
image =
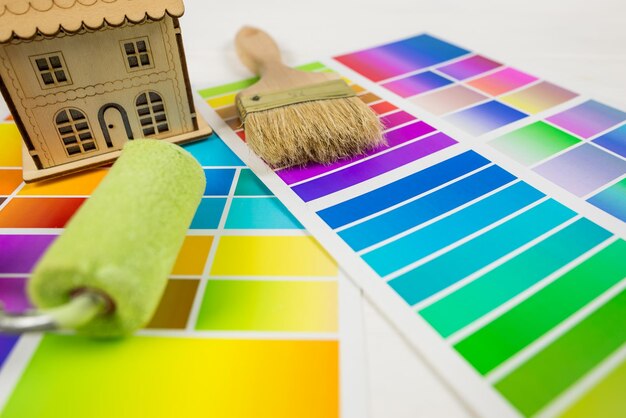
<point x="82" y="77"/>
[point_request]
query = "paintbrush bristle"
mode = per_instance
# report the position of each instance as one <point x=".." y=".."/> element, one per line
<point x="319" y="131"/>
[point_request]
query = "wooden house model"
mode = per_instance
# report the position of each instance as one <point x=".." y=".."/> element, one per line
<point x="82" y="77"/>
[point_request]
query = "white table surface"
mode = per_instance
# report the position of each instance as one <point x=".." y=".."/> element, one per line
<point x="580" y="44"/>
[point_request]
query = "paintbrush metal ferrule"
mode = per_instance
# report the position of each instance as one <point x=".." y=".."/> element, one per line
<point x="333" y="89"/>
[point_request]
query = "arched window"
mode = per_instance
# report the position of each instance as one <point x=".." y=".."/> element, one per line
<point x="75" y="131"/>
<point x="151" y="111"/>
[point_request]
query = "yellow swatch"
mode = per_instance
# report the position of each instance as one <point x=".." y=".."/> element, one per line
<point x="269" y="305"/>
<point x="193" y="255"/>
<point x="159" y="377"/>
<point x="79" y="184"/>
<point x="221" y="101"/>
<point x="10" y="145"/>
<point x="605" y="400"/>
<point x="272" y="256"/>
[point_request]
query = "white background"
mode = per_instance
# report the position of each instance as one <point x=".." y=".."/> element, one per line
<point x="580" y="44"/>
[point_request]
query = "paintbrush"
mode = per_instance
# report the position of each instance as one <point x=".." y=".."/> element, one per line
<point x="293" y="117"/>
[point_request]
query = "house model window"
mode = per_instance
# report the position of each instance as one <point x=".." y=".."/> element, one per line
<point x="137" y="53"/>
<point x="52" y="70"/>
<point x="74" y="131"/>
<point x="151" y="111"/>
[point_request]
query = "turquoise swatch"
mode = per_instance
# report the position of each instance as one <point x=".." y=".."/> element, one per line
<point x="612" y="200"/>
<point x="260" y="213"/>
<point x="486" y="293"/>
<point x="250" y="185"/>
<point x="212" y="152"/>
<point x="440" y="234"/>
<point x="208" y="214"/>
<point x="441" y="272"/>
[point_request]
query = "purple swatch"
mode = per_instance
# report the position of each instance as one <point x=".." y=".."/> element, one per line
<point x="371" y="168"/>
<point x="396" y="137"/>
<point x="397" y="118"/>
<point x="416" y="84"/>
<point x="588" y="119"/>
<point x="469" y="67"/>
<point x="582" y="169"/>
<point x="13" y="294"/>
<point x="7" y="342"/>
<point x="19" y="253"/>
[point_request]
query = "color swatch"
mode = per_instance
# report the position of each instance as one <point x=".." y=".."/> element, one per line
<point x="588" y="118"/>
<point x="462" y="84"/>
<point x="583" y="169"/>
<point x="485" y="117"/>
<point x="190" y="377"/>
<point x="505" y="275"/>
<point x="612" y="200"/>
<point x="534" y="143"/>
<point x="401" y="57"/>
<point x="614" y="140"/>
<point x="501" y="81"/>
<point x="469" y="67"/>
<point x="249" y="283"/>
<point x="448" y="100"/>
<point x="416" y="84"/>
<point x="538" y="97"/>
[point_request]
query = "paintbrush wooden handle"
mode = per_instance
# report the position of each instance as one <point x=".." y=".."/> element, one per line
<point x="257" y="50"/>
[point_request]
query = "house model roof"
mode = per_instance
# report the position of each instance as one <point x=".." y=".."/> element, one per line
<point x="27" y="18"/>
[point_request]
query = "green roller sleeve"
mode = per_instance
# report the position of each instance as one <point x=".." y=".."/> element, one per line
<point x="124" y="240"/>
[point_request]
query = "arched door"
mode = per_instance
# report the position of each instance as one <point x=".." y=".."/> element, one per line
<point x="115" y="126"/>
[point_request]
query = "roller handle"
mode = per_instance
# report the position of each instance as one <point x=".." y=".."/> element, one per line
<point x="257" y="50"/>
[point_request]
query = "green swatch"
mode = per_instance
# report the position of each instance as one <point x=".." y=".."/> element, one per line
<point x="507" y="335"/>
<point x="534" y="143"/>
<point x="516" y="275"/>
<point x="242" y="84"/>
<point x="575" y="353"/>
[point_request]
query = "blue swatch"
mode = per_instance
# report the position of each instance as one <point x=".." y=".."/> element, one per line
<point x="447" y="269"/>
<point x="440" y="234"/>
<point x="401" y="190"/>
<point x="218" y="181"/>
<point x="212" y="151"/>
<point x="614" y="141"/>
<point x="208" y="214"/>
<point x="485" y="117"/>
<point x="427" y="207"/>
<point x="260" y="213"/>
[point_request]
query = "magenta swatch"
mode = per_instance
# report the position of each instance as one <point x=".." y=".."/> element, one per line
<point x="397" y="118"/>
<point x="371" y="168"/>
<point x="469" y="67"/>
<point x="13" y="294"/>
<point x="19" y="253"/>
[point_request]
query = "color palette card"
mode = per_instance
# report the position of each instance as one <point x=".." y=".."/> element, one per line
<point x="488" y="229"/>
<point x="256" y="319"/>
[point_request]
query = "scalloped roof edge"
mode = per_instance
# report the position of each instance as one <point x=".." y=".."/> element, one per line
<point x="25" y="19"/>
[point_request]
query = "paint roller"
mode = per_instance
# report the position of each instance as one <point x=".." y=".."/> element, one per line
<point x="105" y="275"/>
